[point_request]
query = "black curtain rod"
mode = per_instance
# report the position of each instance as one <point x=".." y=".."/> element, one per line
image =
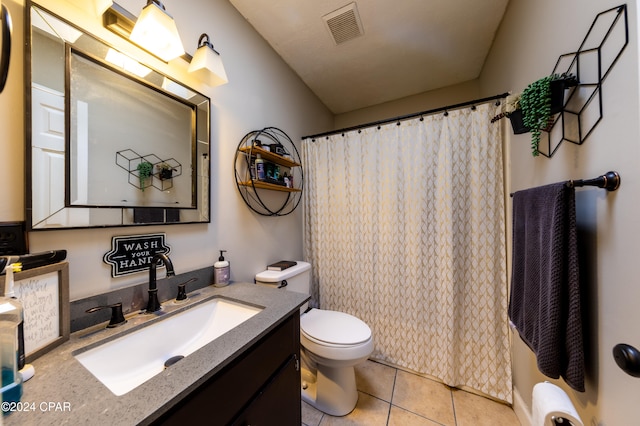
<point x="408" y="116"/>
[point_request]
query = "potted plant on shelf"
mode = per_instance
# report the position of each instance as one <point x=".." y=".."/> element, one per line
<point x="511" y="109"/>
<point x="533" y="109"/>
<point x="540" y="100"/>
<point x="165" y="171"/>
<point x="145" y="169"/>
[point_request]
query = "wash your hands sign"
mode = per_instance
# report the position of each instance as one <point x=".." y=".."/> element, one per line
<point x="133" y="253"/>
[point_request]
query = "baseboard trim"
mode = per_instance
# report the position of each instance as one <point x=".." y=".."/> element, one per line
<point x="521" y="409"/>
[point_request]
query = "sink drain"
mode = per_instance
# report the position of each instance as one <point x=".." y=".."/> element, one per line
<point x="168" y="363"/>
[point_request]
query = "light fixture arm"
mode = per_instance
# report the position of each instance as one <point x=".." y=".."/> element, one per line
<point x="204" y="41"/>
<point x="157" y="3"/>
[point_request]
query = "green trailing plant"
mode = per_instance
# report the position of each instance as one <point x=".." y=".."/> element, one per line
<point x="535" y="102"/>
<point x="145" y="170"/>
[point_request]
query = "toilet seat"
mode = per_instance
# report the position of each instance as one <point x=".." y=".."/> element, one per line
<point x="334" y="329"/>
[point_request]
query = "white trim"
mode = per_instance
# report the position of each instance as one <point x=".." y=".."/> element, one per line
<point x="521" y="409"/>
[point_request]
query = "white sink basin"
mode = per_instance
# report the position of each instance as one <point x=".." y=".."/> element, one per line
<point x="127" y="362"/>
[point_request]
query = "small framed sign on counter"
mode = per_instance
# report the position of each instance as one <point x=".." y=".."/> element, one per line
<point x="44" y="294"/>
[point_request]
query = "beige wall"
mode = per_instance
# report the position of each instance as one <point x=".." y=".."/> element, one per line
<point x="531" y="37"/>
<point x="262" y="91"/>
<point x="422" y="102"/>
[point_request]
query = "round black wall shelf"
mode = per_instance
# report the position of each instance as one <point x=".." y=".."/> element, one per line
<point x="272" y="185"/>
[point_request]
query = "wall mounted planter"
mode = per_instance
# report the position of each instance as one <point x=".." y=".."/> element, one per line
<point x="581" y="112"/>
<point x="575" y="114"/>
<point x="162" y="171"/>
<point x="517" y="122"/>
<point x="557" y="92"/>
<point x="558" y="88"/>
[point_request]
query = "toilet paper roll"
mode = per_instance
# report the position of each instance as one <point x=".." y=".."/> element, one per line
<point x="549" y="402"/>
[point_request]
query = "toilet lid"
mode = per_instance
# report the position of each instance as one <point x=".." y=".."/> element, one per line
<point x="334" y="327"/>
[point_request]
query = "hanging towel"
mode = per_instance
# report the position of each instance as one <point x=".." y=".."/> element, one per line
<point x="544" y="303"/>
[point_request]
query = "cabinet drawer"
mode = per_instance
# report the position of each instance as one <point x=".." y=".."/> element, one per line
<point x="278" y="402"/>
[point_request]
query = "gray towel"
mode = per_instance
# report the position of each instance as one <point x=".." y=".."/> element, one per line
<point x="544" y="304"/>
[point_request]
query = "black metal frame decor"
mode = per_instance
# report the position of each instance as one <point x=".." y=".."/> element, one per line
<point x="272" y="194"/>
<point x="129" y="160"/>
<point x="591" y="63"/>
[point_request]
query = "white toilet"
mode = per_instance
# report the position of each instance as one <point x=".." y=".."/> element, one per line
<point x="332" y="344"/>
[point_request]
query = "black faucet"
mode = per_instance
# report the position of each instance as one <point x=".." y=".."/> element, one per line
<point x="153" y="305"/>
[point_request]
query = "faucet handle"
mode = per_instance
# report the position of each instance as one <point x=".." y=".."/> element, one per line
<point x="182" y="292"/>
<point x="117" y="318"/>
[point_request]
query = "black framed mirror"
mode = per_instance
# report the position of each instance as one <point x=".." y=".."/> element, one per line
<point x="110" y="141"/>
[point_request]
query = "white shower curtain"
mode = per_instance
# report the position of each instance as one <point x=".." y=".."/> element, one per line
<point x="405" y="229"/>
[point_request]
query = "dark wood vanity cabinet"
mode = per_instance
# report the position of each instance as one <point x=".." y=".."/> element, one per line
<point x="259" y="387"/>
<point x="276" y="404"/>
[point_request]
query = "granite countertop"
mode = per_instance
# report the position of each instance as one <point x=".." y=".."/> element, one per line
<point x="64" y="392"/>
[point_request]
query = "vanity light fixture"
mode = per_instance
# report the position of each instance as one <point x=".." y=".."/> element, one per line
<point x="207" y="63"/>
<point x="156" y="31"/>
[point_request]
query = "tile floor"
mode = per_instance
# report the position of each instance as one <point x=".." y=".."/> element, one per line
<point x="391" y="397"/>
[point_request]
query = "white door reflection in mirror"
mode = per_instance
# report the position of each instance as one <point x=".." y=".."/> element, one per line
<point x="48" y="161"/>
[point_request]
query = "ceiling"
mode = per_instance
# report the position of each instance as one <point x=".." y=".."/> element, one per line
<point x="406" y="46"/>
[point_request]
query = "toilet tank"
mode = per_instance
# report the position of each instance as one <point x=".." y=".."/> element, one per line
<point x="296" y="278"/>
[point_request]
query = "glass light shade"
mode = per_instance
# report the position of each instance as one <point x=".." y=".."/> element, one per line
<point x="207" y="64"/>
<point x="156" y="31"/>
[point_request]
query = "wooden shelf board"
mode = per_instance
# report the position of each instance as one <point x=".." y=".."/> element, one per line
<point x="270" y="156"/>
<point x="271" y="186"/>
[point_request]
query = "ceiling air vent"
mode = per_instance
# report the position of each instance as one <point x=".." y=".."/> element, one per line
<point x="344" y="24"/>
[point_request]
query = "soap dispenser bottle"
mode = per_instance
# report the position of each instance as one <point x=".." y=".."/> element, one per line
<point x="221" y="271"/>
<point x="11" y="351"/>
<point x="11" y="390"/>
<point x="9" y="293"/>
